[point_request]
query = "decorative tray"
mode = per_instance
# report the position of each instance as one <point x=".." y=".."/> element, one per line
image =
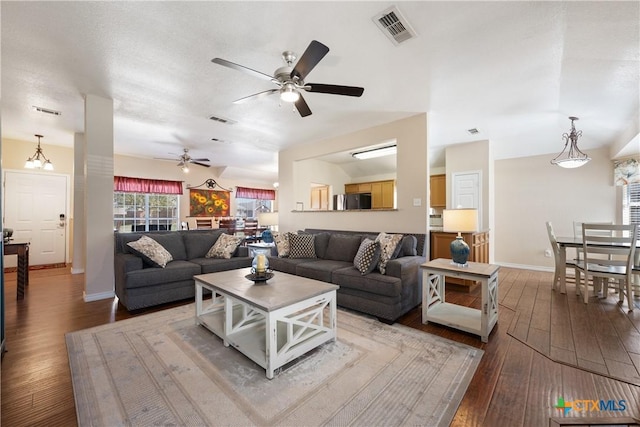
<point x="254" y="277"/>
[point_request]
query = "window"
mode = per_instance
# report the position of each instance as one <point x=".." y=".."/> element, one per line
<point x="250" y="208"/>
<point x="145" y="212"/>
<point x="631" y="204"/>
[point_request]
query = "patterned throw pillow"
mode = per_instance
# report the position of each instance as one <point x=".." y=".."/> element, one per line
<point x="388" y="244"/>
<point x="367" y="257"/>
<point x="151" y="251"/>
<point x="302" y="246"/>
<point x="282" y="244"/>
<point x="225" y="246"/>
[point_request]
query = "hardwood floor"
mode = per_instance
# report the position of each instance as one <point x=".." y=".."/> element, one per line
<point x="514" y="385"/>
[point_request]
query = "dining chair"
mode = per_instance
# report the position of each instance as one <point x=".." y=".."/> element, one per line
<point x="577" y="232"/>
<point x="203" y="223"/>
<point x="556" y="254"/>
<point x="608" y="253"/>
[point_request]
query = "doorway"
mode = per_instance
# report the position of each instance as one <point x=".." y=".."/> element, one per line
<point x="467" y="192"/>
<point x="35" y="207"/>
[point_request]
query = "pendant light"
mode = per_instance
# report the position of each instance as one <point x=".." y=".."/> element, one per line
<point x="38" y="160"/>
<point x="571" y="156"/>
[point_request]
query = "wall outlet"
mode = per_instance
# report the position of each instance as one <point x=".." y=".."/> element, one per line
<point x="547" y="253"/>
<point x="417" y="202"/>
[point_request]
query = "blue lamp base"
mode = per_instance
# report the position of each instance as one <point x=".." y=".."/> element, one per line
<point x="267" y="237"/>
<point x="459" y="252"/>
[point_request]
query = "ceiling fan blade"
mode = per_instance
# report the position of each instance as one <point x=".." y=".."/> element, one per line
<point x="238" y="67"/>
<point x="302" y="107"/>
<point x="256" y="96"/>
<point x="335" y="89"/>
<point x="200" y="164"/>
<point x="180" y="164"/>
<point x="200" y="160"/>
<point x="309" y="59"/>
<point x="164" y="158"/>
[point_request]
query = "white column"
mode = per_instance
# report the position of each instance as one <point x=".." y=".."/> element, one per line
<point x="77" y="261"/>
<point x="98" y="198"/>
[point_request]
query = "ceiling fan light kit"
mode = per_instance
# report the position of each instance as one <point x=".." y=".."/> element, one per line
<point x="571" y="156"/>
<point x="290" y="78"/>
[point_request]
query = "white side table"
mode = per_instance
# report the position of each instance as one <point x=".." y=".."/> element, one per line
<point x="436" y="310"/>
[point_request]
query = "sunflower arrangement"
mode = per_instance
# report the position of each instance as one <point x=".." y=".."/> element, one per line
<point x="209" y="203"/>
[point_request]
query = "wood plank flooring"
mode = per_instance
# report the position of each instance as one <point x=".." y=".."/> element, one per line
<point x="516" y="384"/>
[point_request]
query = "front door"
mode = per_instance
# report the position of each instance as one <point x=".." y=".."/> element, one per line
<point x="35" y="207"/>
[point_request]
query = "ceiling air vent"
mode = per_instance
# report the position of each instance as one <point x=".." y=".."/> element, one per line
<point x="473" y="131"/>
<point x="222" y="120"/>
<point x="394" y="25"/>
<point x="46" y="111"/>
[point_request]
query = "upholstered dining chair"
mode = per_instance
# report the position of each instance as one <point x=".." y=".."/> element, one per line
<point x="609" y="253"/>
<point x="556" y="254"/>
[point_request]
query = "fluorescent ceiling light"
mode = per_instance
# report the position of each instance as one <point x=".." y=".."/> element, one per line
<point x="375" y="152"/>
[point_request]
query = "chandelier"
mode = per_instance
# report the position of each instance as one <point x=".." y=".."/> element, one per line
<point x="571" y="156"/>
<point x="38" y="160"/>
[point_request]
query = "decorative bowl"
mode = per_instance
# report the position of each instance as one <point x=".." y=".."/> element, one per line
<point x="259" y="279"/>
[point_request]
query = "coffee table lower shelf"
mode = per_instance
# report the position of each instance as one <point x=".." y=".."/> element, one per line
<point x="456" y="316"/>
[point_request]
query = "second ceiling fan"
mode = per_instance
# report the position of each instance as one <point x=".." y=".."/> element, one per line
<point x="290" y="78"/>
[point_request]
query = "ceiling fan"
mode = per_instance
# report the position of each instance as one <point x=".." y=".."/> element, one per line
<point x="290" y="79"/>
<point x="185" y="159"/>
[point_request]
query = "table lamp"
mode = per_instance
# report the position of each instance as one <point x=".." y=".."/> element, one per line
<point x="267" y="219"/>
<point x="460" y="221"/>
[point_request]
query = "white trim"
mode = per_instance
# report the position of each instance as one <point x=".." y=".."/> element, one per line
<point x="77" y="270"/>
<point x="98" y="296"/>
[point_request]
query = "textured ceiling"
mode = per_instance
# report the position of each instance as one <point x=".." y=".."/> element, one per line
<point x="513" y="70"/>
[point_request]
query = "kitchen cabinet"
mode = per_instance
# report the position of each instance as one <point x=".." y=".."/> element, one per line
<point x="382" y="192"/>
<point x="320" y="198"/>
<point x="438" y="187"/>
<point x="478" y="249"/>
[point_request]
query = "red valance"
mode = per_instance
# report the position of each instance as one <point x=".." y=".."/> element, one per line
<point x="255" y="193"/>
<point x="140" y="185"/>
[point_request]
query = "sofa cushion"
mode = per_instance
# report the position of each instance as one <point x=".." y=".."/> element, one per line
<point x="175" y="271"/>
<point x="198" y="244"/>
<point x="388" y="244"/>
<point x="320" y="269"/>
<point x="173" y="242"/>
<point x="213" y="265"/>
<point x="282" y="244"/>
<point x="224" y="247"/>
<point x="302" y="246"/>
<point x="152" y="252"/>
<point x="367" y="257"/>
<point x="376" y="283"/>
<point x="343" y="247"/>
<point x="321" y="241"/>
<point x="286" y="265"/>
<point x="408" y="247"/>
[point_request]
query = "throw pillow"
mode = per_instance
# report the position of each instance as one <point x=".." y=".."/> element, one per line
<point x="302" y="246"/>
<point x="225" y="246"/>
<point x="388" y="244"/>
<point x="282" y="244"/>
<point x="151" y="252"/>
<point x="367" y="257"/>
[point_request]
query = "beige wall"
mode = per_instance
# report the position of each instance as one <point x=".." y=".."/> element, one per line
<point x="530" y="191"/>
<point x="411" y="180"/>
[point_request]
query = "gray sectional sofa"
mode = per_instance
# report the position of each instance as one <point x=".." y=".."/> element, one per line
<point x="139" y="285"/>
<point x="385" y="296"/>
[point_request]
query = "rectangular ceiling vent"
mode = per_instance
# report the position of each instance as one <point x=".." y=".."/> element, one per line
<point x="46" y="111"/>
<point x="394" y="25"/>
<point x="222" y="120"/>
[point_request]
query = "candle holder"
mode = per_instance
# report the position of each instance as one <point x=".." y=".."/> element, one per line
<point x="260" y="271"/>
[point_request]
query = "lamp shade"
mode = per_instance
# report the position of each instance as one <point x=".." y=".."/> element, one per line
<point x="266" y="219"/>
<point x="460" y="220"/>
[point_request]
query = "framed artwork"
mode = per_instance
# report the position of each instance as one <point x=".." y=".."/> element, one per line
<point x="208" y="203"/>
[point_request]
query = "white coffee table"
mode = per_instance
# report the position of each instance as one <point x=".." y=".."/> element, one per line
<point x="271" y="323"/>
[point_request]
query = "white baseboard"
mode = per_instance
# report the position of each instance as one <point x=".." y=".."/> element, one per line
<point x="77" y="270"/>
<point x="526" y="267"/>
<point x="99" y="296"/>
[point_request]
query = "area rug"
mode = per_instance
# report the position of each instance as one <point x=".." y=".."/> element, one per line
<point x="163" y="369"/>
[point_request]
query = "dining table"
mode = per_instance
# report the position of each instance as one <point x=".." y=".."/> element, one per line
<point x="573" y="242"/>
